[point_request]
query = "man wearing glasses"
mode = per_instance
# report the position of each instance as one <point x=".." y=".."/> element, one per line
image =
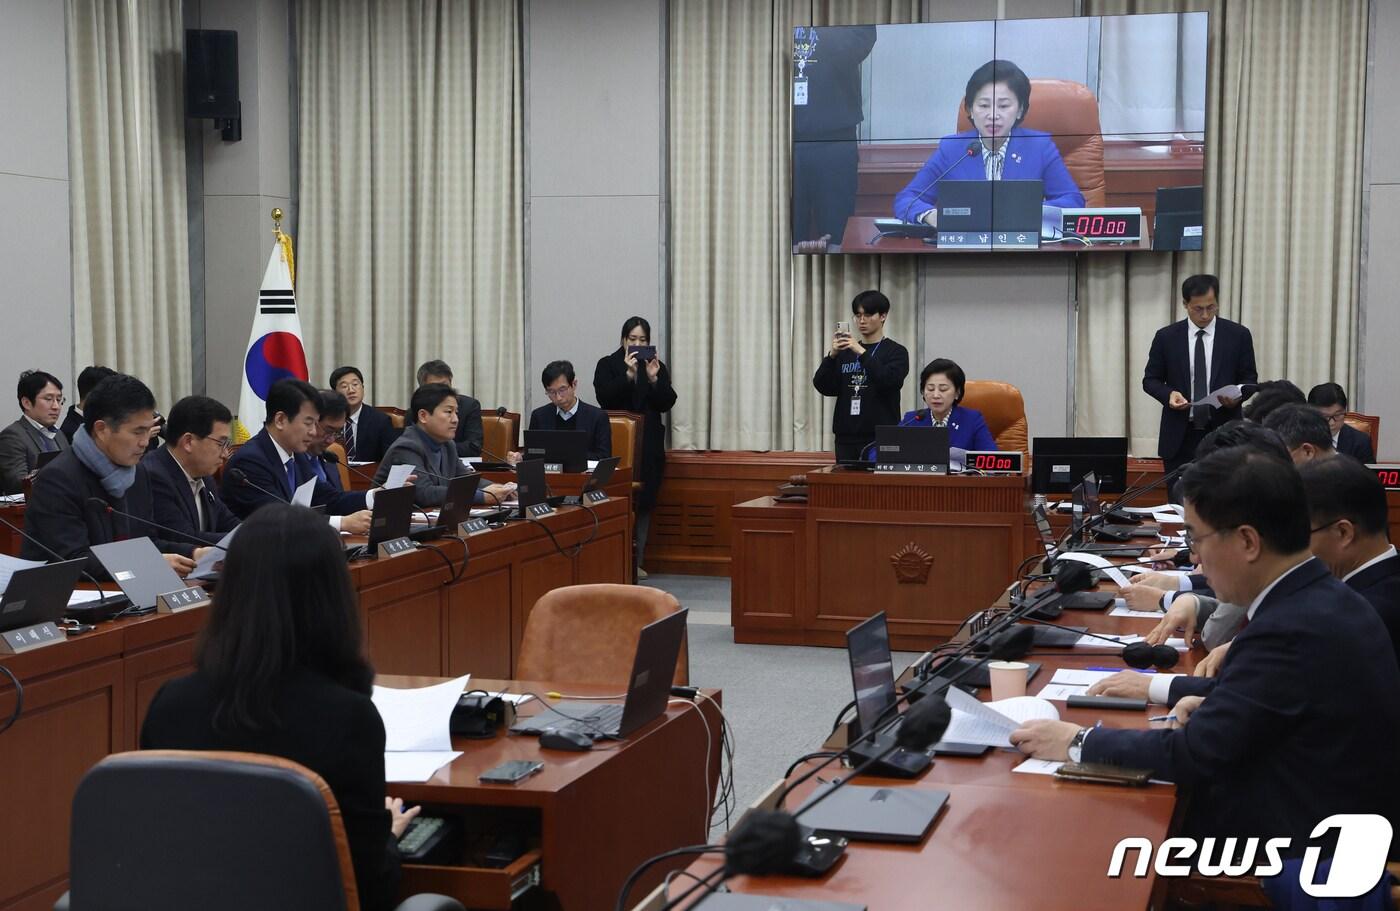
<point x="182" y="471"/>
<point x="41" y="400"/>
<point x="1190" y="359"/>
<point x="566" y="411"/>
<point x="1331" y="400"/>
<point x="335" y="414"/>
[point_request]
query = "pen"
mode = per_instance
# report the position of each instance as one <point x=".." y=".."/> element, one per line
<point x="1114" y="670"/>
<point x="1162" y="718"/>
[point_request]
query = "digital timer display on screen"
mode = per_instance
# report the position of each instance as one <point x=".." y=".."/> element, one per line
<point x="993" y="462"/>
<point x="1121" y="224"/>
<point x="1389" y="475"/>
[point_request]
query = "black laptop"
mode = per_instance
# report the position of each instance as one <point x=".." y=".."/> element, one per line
<point x="461" y="495"/>
<point x="872" y="678"/>
<point x="648" y="689"/>
<point x="990" y="214"/>
<point x="898" y="814"/>
<point x="566" y="449"/>
<point x="916" y="449"/>
<point x="391" y="518"/>
<point x="38" y="594"/>
<point x="530" y="486"/>
<point x="1179" y="218"/>
<point x="1059" y="463"/>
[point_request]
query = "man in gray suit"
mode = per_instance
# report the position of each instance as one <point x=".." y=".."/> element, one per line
<point x="41" y="399"/>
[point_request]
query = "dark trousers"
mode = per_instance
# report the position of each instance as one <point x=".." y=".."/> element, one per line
<point x="823" y="188"/>
<point x="1187" y="452"/>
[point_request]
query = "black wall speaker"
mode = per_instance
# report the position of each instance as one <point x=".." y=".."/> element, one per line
<point x="211" y="74"/>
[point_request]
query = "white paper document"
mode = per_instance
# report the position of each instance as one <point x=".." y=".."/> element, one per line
<point x="303" y="494"/>
<point x="83" y="596"/>
<point x="417" y="765"/>
<point x="11" y="565"/>
<point x="398" y="474"/>
<point x="1098" y="562"/>
<point x="1233" y="391"/>
<point x="1059" y="692"/>
<point x="1097" y="640"/>
<point x="417" y="720"/>
<point x="991" y="723"/>
<point x="212" y="557"/>
<point x="1075" y="677"/>
<point x="1123" y="610"/>
<point x="1039" y="767"/>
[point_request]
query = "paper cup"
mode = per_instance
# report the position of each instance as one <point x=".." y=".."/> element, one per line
<point x="1008" y="678"/>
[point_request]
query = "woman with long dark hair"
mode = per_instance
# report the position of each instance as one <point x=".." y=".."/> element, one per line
<point x="281" y="670"/>
<point x="632" y="380"/>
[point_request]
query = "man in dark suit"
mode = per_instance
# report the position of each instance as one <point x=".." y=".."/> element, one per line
<point x="470" y="433"/>
<point x="368" y="433"/>
<point x="1331" y="400"/>
<point x="335" y="413"/>
<point x="66" y="510"/>
<point x="87" y="381"/>
<point x="1302" y="721"/>
<point x="1350" y="523"/>
<point x="182" y="484"/>
<point x="274" y="463"/>
<point x="1191" y="358"/>
<point x="566" y="411"/>
<point x="40" y="397"/>
<point x="1303" y="430"/>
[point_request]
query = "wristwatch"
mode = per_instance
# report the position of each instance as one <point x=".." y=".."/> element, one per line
<point x="1076" y="746"/>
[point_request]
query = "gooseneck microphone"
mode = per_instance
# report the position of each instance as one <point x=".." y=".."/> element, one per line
<point x="108" y="508"/>
<point x="241" y="477"/>
<point x="972" y="149"/>
<point x="102" y="594"/>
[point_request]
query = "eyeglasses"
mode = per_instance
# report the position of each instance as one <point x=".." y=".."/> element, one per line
<point x="224" y="442"/>
<point x="1191" y="540"/>
<point x="559" y="393"/>
<point x="1202" y="311"/>
<point x="1324" y="526"/>
<point x="58" y="400"/>
<point x="1335" y="419"/>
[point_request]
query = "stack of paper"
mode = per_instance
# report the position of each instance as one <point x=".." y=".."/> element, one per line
<point x="417" y="738"/>
<point x="11" y="565"/>
<point x="398" y="474"/>
<point x="1097" y="562"/>
<point x="991" y="723"/>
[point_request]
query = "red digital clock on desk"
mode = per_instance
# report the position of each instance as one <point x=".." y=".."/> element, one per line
<point x="1110" y="225"/>
<point x="993" y="462"/>
<point x="1389" y="475"/>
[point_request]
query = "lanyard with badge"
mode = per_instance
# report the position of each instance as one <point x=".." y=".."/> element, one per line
<point x="804" y="45"/>
<point x="858" y="381"/>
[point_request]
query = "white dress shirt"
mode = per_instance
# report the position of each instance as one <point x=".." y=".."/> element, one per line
<point x="994" y="162"/>
<point x="197" y="488"/>
<point x="283" y="456"/>
<point x="50" y="433"/>
<point x="1386" y="555"/>
<point x="1191" y="329"/>
<point x="568" y="415"/>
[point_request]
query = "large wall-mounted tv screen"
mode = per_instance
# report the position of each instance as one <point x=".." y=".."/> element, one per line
<point x="1031" y="135"/>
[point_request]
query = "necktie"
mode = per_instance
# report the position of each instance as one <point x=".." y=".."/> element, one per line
<point x="349" y="441"/>
<point x="198" y="490"/>
<point x="48" y="442"/>
<point x="292" y="475"/>
<point x="1200" y="415"/>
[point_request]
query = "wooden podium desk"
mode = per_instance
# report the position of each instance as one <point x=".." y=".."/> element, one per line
<point x="86" y="697"/>
<point x="1004" y="839"/>
<point x="590" y="818"/>
<point x="927" y="549"/>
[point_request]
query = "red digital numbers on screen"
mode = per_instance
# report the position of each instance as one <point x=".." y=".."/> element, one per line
<point x="987" y="461"/>
<point x="1100" y="226"/>
<point x="1390" y="477"/>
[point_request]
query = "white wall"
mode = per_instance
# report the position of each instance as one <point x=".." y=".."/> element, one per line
<point x="36" y="308"/>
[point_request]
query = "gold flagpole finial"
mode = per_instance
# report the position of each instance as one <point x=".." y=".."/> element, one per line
<point x="277" y="222"/>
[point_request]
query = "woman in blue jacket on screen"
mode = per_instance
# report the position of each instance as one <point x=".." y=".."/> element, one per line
<point x="997" y="147"/>
<point x="942" y="384"/>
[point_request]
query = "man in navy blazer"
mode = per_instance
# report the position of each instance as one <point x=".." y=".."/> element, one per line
<point x="369" y="432"/>
<point x="181" y="472"/>
<point x="1302" y="721"/>
<point x="1331" y="400"/>
<point x="274" y="463"/>
<point x="566" y="411"/>
<point x="1173" y="376"/>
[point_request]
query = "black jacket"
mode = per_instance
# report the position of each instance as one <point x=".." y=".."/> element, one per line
<point x="333" y="731"/>
<point x="1169" y="370"/>
<point x="615" y="391"/>
<point x="1301" y="723"/>
<point x="1356" y="444"/>
<point x="1380" y="585"/>
<point x="884" y="367"/>
<point x="71" y="422"/>
<point x="440" y="465"/>
<point x="60" y="515"/>
<point x="258" y="459"/>
<point x="589" y="419"/>
<point x="470" y="433"/>
<point x="374" y="434"/>
<point x="173" y="501"/>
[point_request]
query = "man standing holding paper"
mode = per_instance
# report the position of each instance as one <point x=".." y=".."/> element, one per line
<point x="1190" y="359"/>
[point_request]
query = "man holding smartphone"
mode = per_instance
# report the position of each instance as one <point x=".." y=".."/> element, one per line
<point x="864" y="371"/>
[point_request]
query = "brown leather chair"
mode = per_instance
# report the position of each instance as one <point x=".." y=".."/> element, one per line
<point x="627" y="427"/>
<point x="1004" y="410"/>
<point x="1368" y="424"/>
<point x="397" y="416"/>
<point x="164" y="829"/>
<point x="340" y="464"/>
<point x="499" y="434"/>
<point x="1069" y="112"/>
<point x="588" y="634"/>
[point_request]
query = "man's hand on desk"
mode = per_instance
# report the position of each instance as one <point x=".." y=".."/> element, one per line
<point x="1177" y="402"/>
<point x="183" y="566"/>
<point x="399" y="818"/>
<point x="497" y="494"/>
<point x="1045" y="739"/>
<point x="1182" y="615"/>
<point x="357" y="523"/>
<point x="1129" y="684"/>
<point x="1142" y="597"/>
<point x="1164" y="581"/>
<point x="1210" y="664"/>
<point x="512" y="457"/>
<point x="1184" y="707"/>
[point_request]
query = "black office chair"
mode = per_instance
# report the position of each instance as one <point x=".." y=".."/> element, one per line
<point x="174" y="829"/>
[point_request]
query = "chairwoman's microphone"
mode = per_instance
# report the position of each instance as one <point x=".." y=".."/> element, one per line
<point x="972" y="148"/>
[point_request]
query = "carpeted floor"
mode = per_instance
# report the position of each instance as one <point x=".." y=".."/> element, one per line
<point x="780" y="700"/>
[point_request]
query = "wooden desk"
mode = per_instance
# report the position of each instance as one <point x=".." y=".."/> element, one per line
<point x="1005" y="839"/>
<point x="86" y="698"/>
<point x="927" y="549"/>
<point x="594" y="816"/>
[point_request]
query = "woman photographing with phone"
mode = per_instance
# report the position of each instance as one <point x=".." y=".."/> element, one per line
<point x="633" y="378"/>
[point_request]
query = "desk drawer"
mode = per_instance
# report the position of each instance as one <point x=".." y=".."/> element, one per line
<point x="476" y="887"/>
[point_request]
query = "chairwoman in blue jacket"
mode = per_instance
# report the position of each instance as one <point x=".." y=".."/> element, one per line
<point x="996" y="148"/>
<point x="942" y="384"/>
